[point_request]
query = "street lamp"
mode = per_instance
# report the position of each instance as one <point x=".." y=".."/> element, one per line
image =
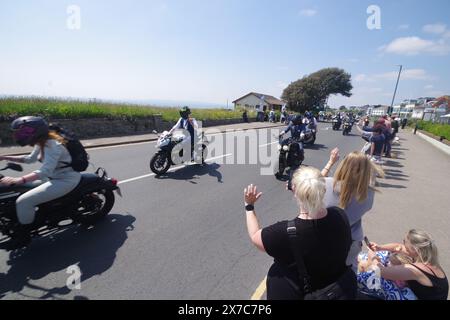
<point x="395" y="92"/>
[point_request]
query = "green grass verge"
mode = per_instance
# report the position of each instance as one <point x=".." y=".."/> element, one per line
<point x="439" y="130"/>
<point x="75" y="109"/>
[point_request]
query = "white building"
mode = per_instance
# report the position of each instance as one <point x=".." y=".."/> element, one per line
<point x="377" y="111"/>
<point x="255" y="100"/>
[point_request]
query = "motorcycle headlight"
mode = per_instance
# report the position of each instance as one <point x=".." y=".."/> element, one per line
<point x="164" y="142"/>
<point x="279" y="147"/>
<point x="286" y="148"/>
<point x="302" y="135"/>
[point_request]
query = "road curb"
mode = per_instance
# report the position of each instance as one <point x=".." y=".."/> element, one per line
<point x="439" y="145"/>
<point x="112" y="144"/>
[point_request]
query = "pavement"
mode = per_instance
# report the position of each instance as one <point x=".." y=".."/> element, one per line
<point x="413" y="195"/>
<point x="114" y="141"/>
<point x="183" y="235"/>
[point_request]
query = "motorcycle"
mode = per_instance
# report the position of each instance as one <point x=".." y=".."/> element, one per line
<point x="87" y="204"/>
<point x="291" y="155"/>
<point x="336" y="124"/>
<point x="161" y="162"/>
<point x="347" y="128"/>
<point x="309" y="135"/>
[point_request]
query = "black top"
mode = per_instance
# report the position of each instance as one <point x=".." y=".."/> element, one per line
<point x="439" y="290"/>
<point x="325" y="246"/>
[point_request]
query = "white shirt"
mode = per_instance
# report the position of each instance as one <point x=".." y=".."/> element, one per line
<point x="56" y="158"/>
<point x="179" y="125"/>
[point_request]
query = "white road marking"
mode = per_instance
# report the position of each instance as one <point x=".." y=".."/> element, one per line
<point x="172" y="169"/>
<point x="267" y="144"/>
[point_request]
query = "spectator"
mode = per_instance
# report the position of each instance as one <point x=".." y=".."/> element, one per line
<point x="245" y="116"/>
<point x="352" y="189"/>
<point x="324" y="236"/>
<point x="404" y="123"/>
<point x="424" y="275"/>
<point x="395" y="126"/>
<point x="377" y="140"/>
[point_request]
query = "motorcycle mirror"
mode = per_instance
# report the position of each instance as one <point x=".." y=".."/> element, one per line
<point x="14" y="166"/>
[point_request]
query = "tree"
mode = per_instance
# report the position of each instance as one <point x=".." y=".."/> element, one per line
<point x="342" y="108"/>
<point x="312" y="91"/>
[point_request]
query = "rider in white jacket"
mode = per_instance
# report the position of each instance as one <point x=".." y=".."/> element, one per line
<point x="189" y="124"/>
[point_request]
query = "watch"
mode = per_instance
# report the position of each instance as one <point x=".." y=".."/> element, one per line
<point x="249" y="207"/>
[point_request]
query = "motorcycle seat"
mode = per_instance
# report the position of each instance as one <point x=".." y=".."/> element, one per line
<point x="86" y="179"/>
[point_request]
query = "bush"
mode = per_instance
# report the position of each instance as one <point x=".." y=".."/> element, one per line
<point x="439" y="130"/>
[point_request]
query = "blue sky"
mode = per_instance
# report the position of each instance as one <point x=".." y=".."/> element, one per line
<point x="214" y="50"/>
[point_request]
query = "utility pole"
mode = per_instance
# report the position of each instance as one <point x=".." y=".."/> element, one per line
<point x="395" y="92"/>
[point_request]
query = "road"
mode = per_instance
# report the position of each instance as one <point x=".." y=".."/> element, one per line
<point x="181" y="236"/>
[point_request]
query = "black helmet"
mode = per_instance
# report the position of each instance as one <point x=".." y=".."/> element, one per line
<point x="298" y="120"/>
<point x="185" y="112"/>
<point x="28" y="130"/>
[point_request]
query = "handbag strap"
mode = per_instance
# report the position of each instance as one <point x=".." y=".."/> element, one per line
<point x="302" y="273"/>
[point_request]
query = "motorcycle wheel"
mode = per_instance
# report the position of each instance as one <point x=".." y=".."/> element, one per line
<point x="160" y="163"/>
<point x="281" y="168"/>
<point x="94" y="206"/>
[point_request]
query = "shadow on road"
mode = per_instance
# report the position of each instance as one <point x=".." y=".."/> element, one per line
<point x="316" y="147"/>
<point x="387" y="185"/>
<point x="92" y="249"/>
<point x="194" y="172"/>
<point x="390" y="163"/>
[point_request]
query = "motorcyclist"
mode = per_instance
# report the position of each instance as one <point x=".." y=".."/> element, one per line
<point x="348" y="118"/>
<point x="296" y="127"/>
<point x="53" y="180"/>
<point x="187" y="123"/>
<point x="338" y="118"/>
<point x="310" y="121"/>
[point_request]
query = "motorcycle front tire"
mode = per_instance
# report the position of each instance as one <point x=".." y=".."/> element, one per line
<point x="155" y="158"/>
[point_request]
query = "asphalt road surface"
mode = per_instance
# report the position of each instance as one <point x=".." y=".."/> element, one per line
<point x="179" y="236"/>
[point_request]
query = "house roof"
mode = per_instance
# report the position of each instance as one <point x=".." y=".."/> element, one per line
<point x="267" y="98"/>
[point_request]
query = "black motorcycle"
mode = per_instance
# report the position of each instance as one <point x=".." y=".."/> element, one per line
<point x="336" y="124"/>
<point x="88" y="203"/>
<point x="347" y="128"/>
<point x="161" y="162"/>
<point x="291" y="155"/>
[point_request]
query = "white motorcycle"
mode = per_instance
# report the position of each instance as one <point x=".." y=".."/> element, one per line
<point x="162" y="160"/>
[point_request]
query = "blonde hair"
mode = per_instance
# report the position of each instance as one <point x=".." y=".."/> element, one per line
<point x="398" y="258"/>
<point x="354" y="177"/>
<point x="51" y="135"/>
<point x="309" y="188"/>
<point x="425" y="247"/>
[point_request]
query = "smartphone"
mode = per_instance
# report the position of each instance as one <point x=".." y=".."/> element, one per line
<point x="366" y="240"/>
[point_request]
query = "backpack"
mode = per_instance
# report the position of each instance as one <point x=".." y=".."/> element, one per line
<point x="80" y="158"/>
